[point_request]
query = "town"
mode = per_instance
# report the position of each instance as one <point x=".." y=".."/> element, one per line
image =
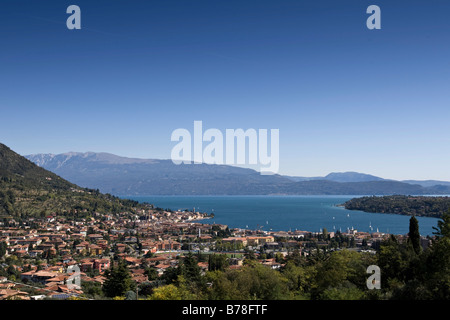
<point x="36" y="253"/>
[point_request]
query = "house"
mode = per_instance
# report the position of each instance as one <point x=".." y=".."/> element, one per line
<point x="236" y="240"/>
<point x="95" y="237"/>
<point x="87" y="266"/>
<point x="99" y="279"/>
<point x="121" y="247"/>
<point x="138" y="275"/>
<point x="132" y="261"/>
<point x="57" y="268"/>
<point x="101" y="264"/>
<point x="155" y="260"/>
<point x="102" y="243"/>
<point x="161" y="268"/>
<point x="95" y="250"/>
<point x="56" y="280"/>
<point x="10" y="294"/>
<point x="203" y="266"/>
<point x="272" y="245"/>
<point x="265" y="239"/>
<point x="64" y="252"/>
<point x="43" y="275"/>
<point x="77" y="236"/>
<point x="27" y="275"/>
<point x="167" y="245"/>
<point x="236" y="261"/>
<point x="149" y="246"/>
<point x="271" y="263"/>
<point x="80" y="249"/>
<point x="20" y="253"/>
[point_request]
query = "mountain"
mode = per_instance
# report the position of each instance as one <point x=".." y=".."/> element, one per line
<point x="428" y="183"/>
<point x="351" y="177"/>
<point x="340" y="177"/>
<point x="325" y="187"/>
<point x="27" y="189"/>
<point x="128" y="176"/>
<point x="297" y="179"/>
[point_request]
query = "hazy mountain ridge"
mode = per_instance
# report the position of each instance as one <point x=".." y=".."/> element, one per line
<point x="128" y="176"/>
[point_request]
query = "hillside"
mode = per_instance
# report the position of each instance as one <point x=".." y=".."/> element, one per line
<point x="127" y="176"/>
<point x="27" y="189"/>
<point x="405" y="205"/>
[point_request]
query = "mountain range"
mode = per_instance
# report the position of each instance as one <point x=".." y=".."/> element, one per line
<point x="131" y="176"/>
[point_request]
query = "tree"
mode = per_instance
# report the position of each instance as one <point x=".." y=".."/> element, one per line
<point x="3" y="248"/>
<point x="171" y="274"/>
<point x="146" y="289"/>
<point x="217" y="262"/>
<point x="443" y="228"/>
<point x="168" y="292"/>
<point x="343" y="292"/>
<point x="151" y="273"/>
<point x="249" y="255"/>
<point x="299" y="279"/>
<point x="343" y="268"/>
<point x="118" y="280"/>
<point x="92" y="289"/>
<point x="414" y="235"/>
<point x="325" y="234"/>
<point x="296" y="258"/>
<point x="437" y="261"/>
<point x="190" y="269"/>
<point x="182" y="291"/>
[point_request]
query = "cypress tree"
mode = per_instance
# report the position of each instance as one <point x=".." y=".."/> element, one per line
<point x="414" y="234"/>
<point x="118" y="280"/>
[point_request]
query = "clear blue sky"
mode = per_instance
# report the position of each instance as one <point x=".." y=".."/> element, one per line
<point x="345" y="98"/>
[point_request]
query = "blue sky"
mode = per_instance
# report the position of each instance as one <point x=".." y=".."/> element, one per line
<point x="344" y="98"/>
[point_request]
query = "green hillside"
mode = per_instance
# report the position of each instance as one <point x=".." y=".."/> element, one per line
<point x="406" y="205"/>
<point x="29" y="190"/>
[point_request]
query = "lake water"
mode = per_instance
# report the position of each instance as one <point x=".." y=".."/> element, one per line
<point x="276" y="213"/>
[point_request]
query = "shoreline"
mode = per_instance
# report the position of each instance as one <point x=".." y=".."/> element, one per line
<point x="234" y="214"/>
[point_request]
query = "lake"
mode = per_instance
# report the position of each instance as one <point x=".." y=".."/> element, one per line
<point x="276" y="213"/>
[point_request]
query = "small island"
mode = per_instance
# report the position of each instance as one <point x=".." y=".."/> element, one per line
<point x="422" y="206"/>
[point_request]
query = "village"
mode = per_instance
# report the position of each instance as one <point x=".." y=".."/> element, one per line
<point x="36" y="255"/>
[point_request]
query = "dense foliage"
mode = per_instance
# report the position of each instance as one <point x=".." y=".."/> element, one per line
<point x="406" y="273"/>
<point x="118" y="280"/>
<point x="407" y="205"/>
